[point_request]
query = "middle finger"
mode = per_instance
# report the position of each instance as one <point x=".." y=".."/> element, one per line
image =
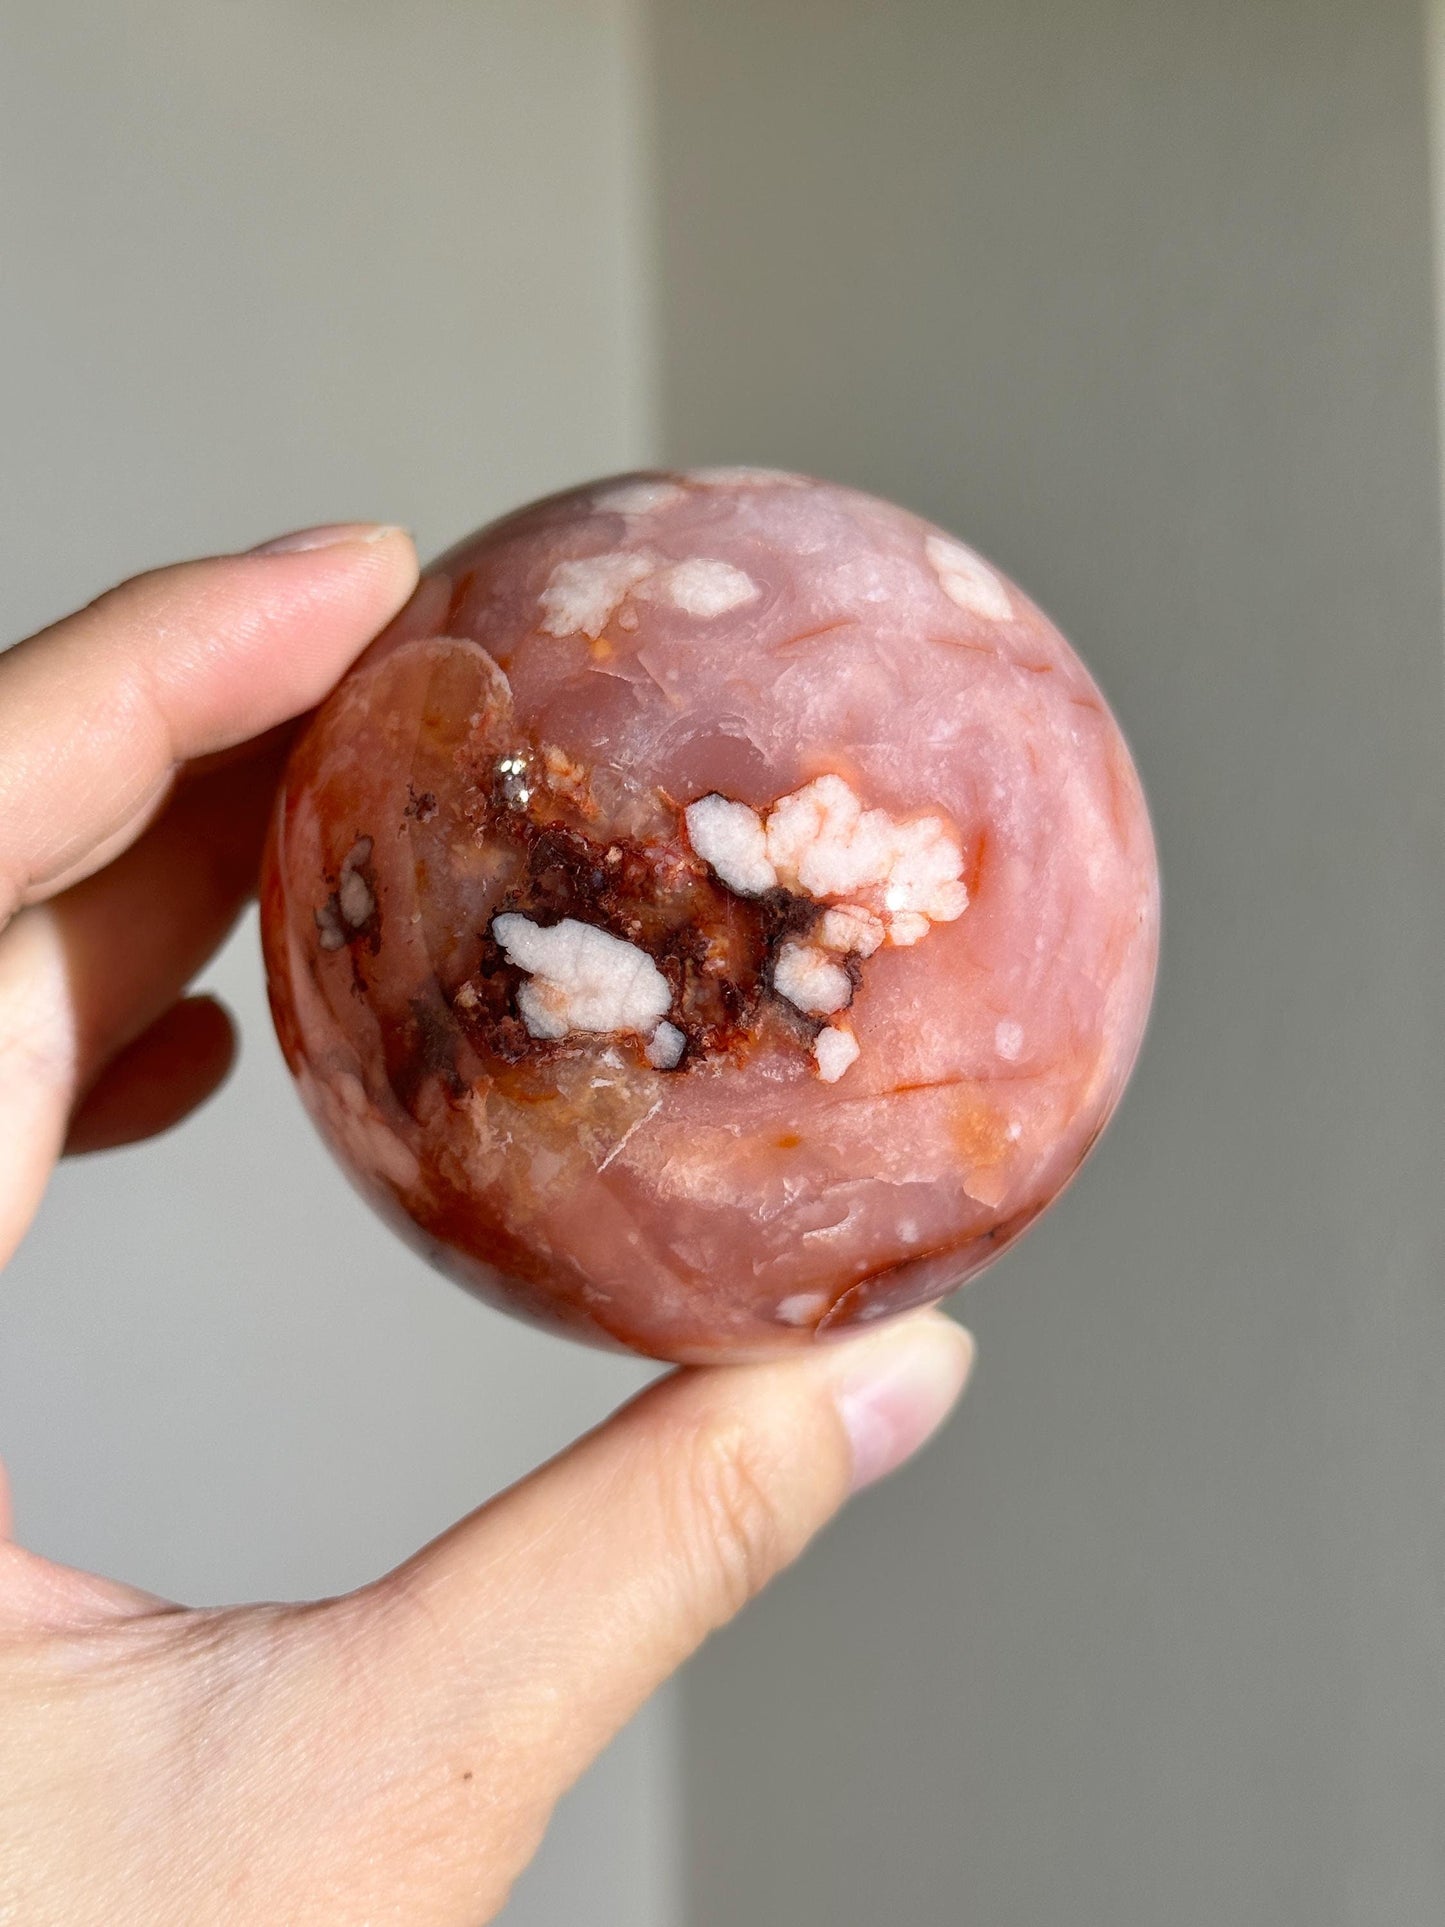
<point x="83" y="975"/>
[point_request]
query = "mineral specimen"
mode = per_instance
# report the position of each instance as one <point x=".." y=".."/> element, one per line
<point x="720" y="909"/>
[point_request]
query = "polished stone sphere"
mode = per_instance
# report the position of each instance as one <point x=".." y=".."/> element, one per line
<point x="719" y="910"/>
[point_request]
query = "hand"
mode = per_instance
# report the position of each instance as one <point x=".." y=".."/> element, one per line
<point x="393" y="1754"/>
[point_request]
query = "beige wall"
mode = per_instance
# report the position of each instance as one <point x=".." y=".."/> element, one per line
<point x="1138" y="296"/>
<point x="260" y="265"/>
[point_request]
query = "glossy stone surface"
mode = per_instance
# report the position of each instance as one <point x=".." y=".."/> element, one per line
<point x="720" y="909"/>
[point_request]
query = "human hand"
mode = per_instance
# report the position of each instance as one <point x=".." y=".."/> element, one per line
<point x="392" y="1754"/>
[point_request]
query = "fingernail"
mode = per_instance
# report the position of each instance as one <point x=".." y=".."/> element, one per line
<point x="900" y="1388"/>
<point x="328" y="536"/>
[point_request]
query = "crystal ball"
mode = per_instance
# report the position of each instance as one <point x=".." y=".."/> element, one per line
<point x="718" y="911"/>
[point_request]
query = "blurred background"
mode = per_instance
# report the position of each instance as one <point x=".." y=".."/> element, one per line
<point x="1142" y="299"/>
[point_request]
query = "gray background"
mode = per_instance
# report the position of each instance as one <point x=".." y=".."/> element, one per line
<point x="1138" y="296"/>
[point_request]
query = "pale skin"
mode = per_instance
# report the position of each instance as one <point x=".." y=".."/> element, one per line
<point x="392" y="1754"/>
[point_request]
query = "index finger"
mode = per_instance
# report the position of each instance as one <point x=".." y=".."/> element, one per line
<point x="97" y="711"/>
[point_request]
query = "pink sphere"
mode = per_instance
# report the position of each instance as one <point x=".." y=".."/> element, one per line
<point x="719" y="910"/>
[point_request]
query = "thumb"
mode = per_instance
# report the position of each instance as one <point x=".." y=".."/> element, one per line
<point x="497" y="1662"/>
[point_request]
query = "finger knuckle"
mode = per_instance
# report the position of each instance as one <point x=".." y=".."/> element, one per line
<point x="739" y="1531"/>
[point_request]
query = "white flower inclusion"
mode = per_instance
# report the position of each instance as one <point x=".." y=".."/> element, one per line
<point x="883" y="879"/>
<point x="584" y="594"/>
<point x="702" y="586"/>
<point x="810" y="980"/>
<point x="641" y="497"/>
<point x="730" y="839"/>
<point x="834" y="1050"/>
<point x="821" y="842"/>
<point x="665" y="1047"/>
<point x="966" y="579"/>
<point x="581" y="978"/>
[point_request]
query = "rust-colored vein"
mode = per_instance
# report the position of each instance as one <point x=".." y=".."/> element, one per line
<point x="975" y="869"/>
<point x="461" y="589"/>
<point x="812" y="635"/>
<point x="957" y="642"/>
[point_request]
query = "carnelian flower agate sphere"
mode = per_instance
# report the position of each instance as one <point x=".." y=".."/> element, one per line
<point x="718" y="911"/>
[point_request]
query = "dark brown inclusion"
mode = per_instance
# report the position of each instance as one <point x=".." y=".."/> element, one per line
<point x="716" y="949"/>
